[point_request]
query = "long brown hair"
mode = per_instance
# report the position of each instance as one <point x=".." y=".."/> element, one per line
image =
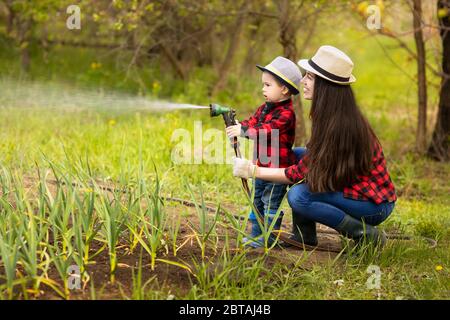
<point x="342" y="141"/>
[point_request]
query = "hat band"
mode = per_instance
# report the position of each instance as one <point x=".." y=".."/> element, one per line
<point x="280" y="75"/>
<point x="326" y="73"/>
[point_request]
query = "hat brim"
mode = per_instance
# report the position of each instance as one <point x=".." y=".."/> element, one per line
<point x="294" y="90"/>
<point x="304" y="64"/>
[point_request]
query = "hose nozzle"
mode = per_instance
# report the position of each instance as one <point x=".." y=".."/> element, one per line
<point x="227" y="113"/>
<point x="216" y="110"/>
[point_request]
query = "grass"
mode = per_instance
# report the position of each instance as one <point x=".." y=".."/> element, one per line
<point x="130" y="243"/>
<point x="77" y="225"/>
<point x="206" y="225"/>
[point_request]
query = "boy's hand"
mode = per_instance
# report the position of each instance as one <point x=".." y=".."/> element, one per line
<point x="243" y="168"/>
<point x="233" y="131"/>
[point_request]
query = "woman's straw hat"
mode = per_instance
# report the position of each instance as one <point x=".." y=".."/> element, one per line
<point x="330" y="63"/>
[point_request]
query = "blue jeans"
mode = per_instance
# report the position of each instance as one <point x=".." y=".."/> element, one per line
<point x="268" y="197"/>
<point x="329" y="208"/>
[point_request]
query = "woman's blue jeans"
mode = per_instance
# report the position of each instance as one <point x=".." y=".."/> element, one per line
<point x="329" y="208"/>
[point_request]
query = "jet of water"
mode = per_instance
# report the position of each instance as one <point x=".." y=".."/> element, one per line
<point x="33" y="94"/>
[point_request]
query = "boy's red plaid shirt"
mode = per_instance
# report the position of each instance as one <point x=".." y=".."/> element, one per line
<point x="272" y="127"/>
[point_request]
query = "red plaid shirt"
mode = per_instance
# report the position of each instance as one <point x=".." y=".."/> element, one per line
<point x="272" y="127"/>
<point x="376" y="186"/>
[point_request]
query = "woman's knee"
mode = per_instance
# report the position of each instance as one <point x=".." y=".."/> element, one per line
<point x="299" y="196"/>
<point x="385" y="211"/>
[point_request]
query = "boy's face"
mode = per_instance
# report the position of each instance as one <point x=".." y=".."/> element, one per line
<point x="272" y="90"/>
<point x="308" y="85"/>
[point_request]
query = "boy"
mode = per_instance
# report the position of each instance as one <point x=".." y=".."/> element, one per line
<point x="272" y="127"/>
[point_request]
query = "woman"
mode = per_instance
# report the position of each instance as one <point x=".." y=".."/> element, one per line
<point x="346" y="185"/>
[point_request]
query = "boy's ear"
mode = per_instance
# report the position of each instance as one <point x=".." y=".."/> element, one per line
<point x="285" y="90"/>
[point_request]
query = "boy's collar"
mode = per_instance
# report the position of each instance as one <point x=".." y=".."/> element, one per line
<point x="278" y="103"/>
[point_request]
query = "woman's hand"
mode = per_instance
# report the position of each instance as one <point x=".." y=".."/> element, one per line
<point x="233" y="131"/>
<point x="243" y="168"/>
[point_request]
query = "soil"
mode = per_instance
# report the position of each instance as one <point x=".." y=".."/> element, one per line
<point x="173" y="279"/>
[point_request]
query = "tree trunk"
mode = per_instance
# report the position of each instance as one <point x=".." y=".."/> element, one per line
<point x="9" y="18"/>
<point x="24" y="43"/>
<point x="421" y="77"/>
<point x="225" y="67"/>
<point x="287" y="33"/>
<point x="287" y="38"/>
<point x="300" y="128"/>
<point x="312" y="24"/>
<point x="439" y="148"/>
<point x="255" y="51"/>
<point x="176" y="64"/>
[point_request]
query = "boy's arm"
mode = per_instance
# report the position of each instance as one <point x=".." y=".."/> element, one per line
<point x="284" y="118"/>
<point x="250" y="122"/>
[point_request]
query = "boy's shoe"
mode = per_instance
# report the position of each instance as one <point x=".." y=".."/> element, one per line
<point x="256" y="231"/>
<point x="355" y="229"/>
<point x="304" y="231"/>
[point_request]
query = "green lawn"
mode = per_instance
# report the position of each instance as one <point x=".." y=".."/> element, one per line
<point x="58" y="119"/>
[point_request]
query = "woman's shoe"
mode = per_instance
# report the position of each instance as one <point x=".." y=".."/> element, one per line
<point x="361" y="232"/>
<point x="304" y="231"/>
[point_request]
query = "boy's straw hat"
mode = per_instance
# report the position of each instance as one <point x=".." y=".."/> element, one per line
<point x="330" y="63"/>
<point x="286" y="71"/>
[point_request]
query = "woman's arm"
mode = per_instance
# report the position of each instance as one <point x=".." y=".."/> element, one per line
<point x="246" y="169"/>
<point x="272" y="174"/>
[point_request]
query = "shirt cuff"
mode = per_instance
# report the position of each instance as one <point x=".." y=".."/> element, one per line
<point x="248" y="132"/>
<point x="289" y="172"/>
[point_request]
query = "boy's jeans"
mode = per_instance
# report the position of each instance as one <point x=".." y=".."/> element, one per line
<point x="268" y="197"/>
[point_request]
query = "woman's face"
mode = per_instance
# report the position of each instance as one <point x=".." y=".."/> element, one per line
<point x="308" y="85"/>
